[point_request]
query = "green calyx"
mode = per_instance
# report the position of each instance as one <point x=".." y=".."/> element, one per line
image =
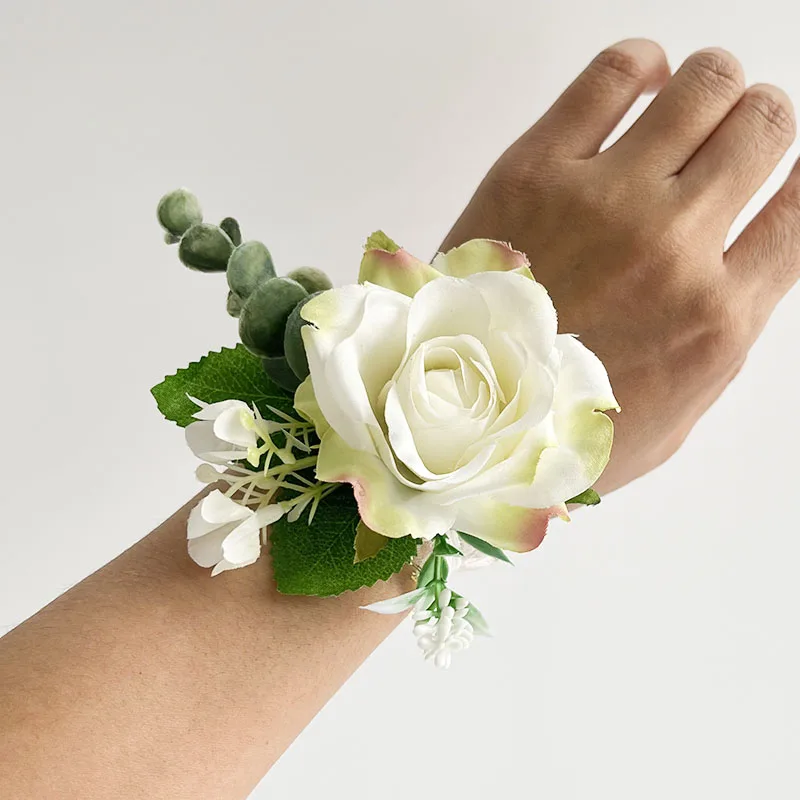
<point x="380" y="241"/>
<point x="586" y="498"/>
<point x="206" y="248"/>
<point x="263" y="318"/>
<point x="178" y="210"/>
<point x="249" y="265"/>
<point x="311" y="279"/>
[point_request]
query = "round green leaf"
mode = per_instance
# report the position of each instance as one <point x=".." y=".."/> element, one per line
<point x="235" y="304"/>
<point x="178" y="211"/>
<point x="206" y="248"/>
<point x="231" y="227"/>
<point x="263" y="318"/>
<point x="249" y="265"/>
<point x="293" y="346"/>
<point x="311" y="279"/>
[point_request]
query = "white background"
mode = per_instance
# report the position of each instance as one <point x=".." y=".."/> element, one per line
<point x="650" y="648"/>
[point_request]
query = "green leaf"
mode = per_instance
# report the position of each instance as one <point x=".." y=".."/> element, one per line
<point x="380" y="241"/>
<point x="426" y="574"/>
<point x="225" y="375"/>
<point x="441" y="547"/>
<point x="368" y="543"/>
<point x="485" y="548"/>
<point x="319" y="559"/>
<point x="479" y="624"/>
<point x="587" y="498"/>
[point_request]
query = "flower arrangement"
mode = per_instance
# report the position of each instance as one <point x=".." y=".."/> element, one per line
<point x="425" y="415"/>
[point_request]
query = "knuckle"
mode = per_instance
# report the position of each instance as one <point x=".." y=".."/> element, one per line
<point x="717" y="68"/>
<point x="788" y="203"/>
<point x="618" y="64"/>
<point x="773" y="110"/>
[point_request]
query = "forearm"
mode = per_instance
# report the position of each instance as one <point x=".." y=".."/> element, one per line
<point x="150" y="679"/>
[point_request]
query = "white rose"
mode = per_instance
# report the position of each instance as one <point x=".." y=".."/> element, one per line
<point x="445" y="396"/>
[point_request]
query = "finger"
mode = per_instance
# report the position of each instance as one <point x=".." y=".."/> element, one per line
<point x="585" y="115"/>
<point x="767" y="252"/>
<point x="684" y="114"/>
<point x="741" y="154"/>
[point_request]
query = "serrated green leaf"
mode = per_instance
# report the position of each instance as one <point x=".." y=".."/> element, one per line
<point x="380" y="241"/>
<point x="224" y="375"/>
<point x="587" y="498"/>
<point x="319" y="559"/>
<point x="485" y="548"/>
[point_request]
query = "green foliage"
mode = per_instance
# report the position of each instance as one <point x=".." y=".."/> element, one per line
<point x="250" y="264"/>
<point x="367" y="543"/>
<point x="320" y="559"/>
<point x="279" y="370"/>
<point x="293" y="346"/>
<point x="177" y="212"/>
<point x="427" y="573"/>
<point x="380" y="241"/>
<point x="234" y="304"/>
<point x="587" y="498"/>
<point x="476" y="619"/>
<point x="225" y="375"/>
<point x="262" y="321"/>
<point x="484" y="547"/>
<point x="231" y="227"/>
<point x="441" y="547"/>
<point x="206" y="248"/>
<point x="311" y="279"/>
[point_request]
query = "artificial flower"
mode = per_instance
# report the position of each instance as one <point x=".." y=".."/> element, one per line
<point x="224" y="534"/>
<point x="224" y="431"/>
<point x="445" y="396"/>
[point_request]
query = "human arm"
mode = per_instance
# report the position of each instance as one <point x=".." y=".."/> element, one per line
<point x="149" y="679"/>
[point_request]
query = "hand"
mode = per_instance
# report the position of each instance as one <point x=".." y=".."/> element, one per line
<point x="630" y="241"/>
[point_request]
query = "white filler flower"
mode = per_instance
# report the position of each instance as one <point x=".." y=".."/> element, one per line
<point x="445" y="396"/>
<point x="226" y="535"/>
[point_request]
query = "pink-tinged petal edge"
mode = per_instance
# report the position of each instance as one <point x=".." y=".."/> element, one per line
<point x="481" y="255"/>
<point x="534" y="529"/>
<point x="399" y="271"/>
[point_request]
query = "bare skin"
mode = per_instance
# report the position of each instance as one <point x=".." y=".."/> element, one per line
<point x="630" y="241"/>
<point x="151" y="680"/>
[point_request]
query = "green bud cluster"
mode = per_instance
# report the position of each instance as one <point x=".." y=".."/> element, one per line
<point x="267" y="306"/>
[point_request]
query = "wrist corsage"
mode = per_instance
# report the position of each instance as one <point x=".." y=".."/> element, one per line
<point x="429" y="415"/>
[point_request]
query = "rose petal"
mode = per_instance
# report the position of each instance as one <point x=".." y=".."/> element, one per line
<point x="447" y="307"/>
<point x="398" y="271"/>
<point x="521" y="308"/>
<point x="354" y="330"/>
<point x="480" y="255"/>
<point x="385" y="504"/>
<point x="584" y="433"/>
<point x="505" y="526"/>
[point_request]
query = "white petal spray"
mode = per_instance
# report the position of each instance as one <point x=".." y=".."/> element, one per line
<point x="226" y="535"/>
<point x="227" y="529"/>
